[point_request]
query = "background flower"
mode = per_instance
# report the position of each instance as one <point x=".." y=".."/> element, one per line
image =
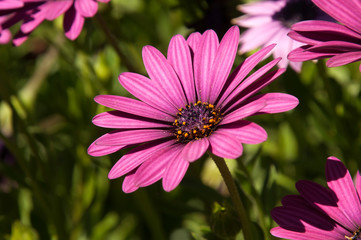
<point x="269" y="22"/>
<point x="319" y="213"/>
<point x="31" y="13"/>
<point x="340" y="43"/>
<point x="189" y="105"/>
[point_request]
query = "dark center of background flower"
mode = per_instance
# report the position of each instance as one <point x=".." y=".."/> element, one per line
<point x="196" y="121"/>
<point x="295" y="11"/>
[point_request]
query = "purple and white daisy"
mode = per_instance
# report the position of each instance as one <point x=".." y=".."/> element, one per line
<point x="320" y="213"/>
<point x="33" y="12"/>
<point x="188" y="105"/>
<point x="340" y="43"/>
<point x="269" y="22"/>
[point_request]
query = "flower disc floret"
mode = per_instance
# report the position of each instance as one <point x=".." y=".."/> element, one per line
<point x="196" y="121"/>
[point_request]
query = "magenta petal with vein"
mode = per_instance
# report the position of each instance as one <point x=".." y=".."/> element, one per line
<point x="31" y="13"/>
<point x="179" y="116"/>
<point x="322" y="213"/>
<point x="269" y="21"/>
<point x="341" y="42"/>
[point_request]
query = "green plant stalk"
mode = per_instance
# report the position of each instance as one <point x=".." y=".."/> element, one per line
<point x="237" y="202"/>
<point x="257" y="200"/>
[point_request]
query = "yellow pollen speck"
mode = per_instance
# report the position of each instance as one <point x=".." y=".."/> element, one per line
<point x="199" y="102"/>
<point x="176" y="120"/>
<point x="211" y="120"/>
<point x="211" y="105"/>
<point x="186" y="135"/>
<point x="183" y="123"/>
<point x="179" y="132"/>
<point x="194" y="131"/>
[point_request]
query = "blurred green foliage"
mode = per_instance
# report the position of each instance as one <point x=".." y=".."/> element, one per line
<point x="56" y="191"/>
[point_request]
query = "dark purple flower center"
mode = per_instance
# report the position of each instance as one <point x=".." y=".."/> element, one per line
<point x="196" y="121"/>
<point x="356" y="235"/>
<point x="295" y="11"/>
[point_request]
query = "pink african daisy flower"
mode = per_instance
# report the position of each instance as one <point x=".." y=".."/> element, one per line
<point x="269" y="22"/>
<point x="340" y="43"/>
<point x="33" y="12"/>
<point x="319" y="213"/>
<point x="189" y="105"/>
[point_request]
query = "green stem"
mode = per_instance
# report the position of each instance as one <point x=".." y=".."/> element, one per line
<point x="114" y="42"/>
<point x="257" y="199"/>
<point x="237" y="202"/>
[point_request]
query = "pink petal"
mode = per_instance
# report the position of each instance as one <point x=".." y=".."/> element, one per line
<point x="225" y="145"/>
<point x="254" y="88"/>
<point x="56" y="8"/>
<point x="193" y="41"/>
<point x="143" y="88"/>
<point x="339" y="180"/>
<point x="99" y="150"/>
<point x="8" y="4"/>
<point x="120" y="120"/>
<point x="336" y="46"/>
<point x="223" y="63"/>
<point x="195" y="149"/>
<point x="73" y="23"/>
<point x="132" y="106"/>
<point x="30" y="23"/>
<point x="203" y="62"/>
<point x="243" y="69"/>
<point x="300" y="37"/>
<point x="179" y="56"/>
<point x="262" y="7"/>
<point x="244" y="111"/>
<point x="276" y="102"/>
<point x="137" y="156"/>
<point x="324" y="28"/>
<point x="344" y="58"/>
<point x="129" y="185"/>
<point x="174" y="173"/>
<point x="250" y="21"/>
<point x="303" y="223"/>
<point x="137" y="136"/>
<point x="86" y="8"/>
<point x="346" y="12"/>
<point x="358" y="184"/>
<point x="324" y="199"/>
<point x="5" y="36"/>
<point x="20" y="38"/>
<point x="250" y="39"/>
<point x="301" y="54"/>
<point x="246" y="132"/>
<point x="250" y="80"/>
<point x="153" y="169"/>
<point x="163" y="76"/>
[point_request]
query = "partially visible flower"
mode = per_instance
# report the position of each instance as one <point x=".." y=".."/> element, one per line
<point x="188" y="105"/>
<point x="319" y="213"/>
<point x="269" y="22"/>
<point x="340" y="43"/>
<point x="33" y="12"/>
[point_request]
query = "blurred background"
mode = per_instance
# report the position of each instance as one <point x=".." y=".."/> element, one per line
<point x="51" y="189"/>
